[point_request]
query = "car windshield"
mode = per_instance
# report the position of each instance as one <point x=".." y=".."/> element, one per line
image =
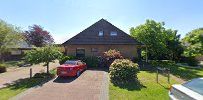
<point x="195" y="85"/>
<point x="71" y="62"/>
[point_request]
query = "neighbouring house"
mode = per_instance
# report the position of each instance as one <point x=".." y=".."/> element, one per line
<point x="100" y="37"/>
<point x="17" y="53"/>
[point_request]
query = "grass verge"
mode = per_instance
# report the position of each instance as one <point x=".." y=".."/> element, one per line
<point x="150" y="90"/>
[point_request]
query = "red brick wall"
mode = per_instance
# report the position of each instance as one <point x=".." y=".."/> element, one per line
<point x="128" y="51"/>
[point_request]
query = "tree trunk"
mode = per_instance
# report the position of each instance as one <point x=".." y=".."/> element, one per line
<point x="47" y="67"/>
<point x="146" y="54"/>
<point x="1" y="57"/>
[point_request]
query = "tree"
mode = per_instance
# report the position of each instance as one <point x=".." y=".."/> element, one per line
<point x="193" y="43"/>
<point x="43" y="55"/>
<point x="159" y="40"/>
<point x="174" y="45"/>
<point x="9" y="37"/>
<point x="37" y="36"/>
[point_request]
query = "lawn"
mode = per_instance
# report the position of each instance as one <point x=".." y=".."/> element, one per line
<point x="22" y="85"/>
<point x="186" y="73"/>
<point x="181" y="71"/>
<point x="13" y="63"/>
<point x="150" y="90"/>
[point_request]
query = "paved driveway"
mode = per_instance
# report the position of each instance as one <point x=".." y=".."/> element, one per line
<point x="91" y="85"/>
<point x="21" y="73"/>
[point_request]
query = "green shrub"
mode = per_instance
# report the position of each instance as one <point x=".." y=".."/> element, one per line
<point x="191" y="61"/>
<point x="2" y="68"/>
<point x="162" y="63"/>
<point x="91" y="61"/>
<point x="135" y="59"/>
<point x="63" y="59"/>
<point x="123" y="71"/>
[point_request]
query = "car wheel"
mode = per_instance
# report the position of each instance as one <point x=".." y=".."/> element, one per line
<point x="78" y="73"/>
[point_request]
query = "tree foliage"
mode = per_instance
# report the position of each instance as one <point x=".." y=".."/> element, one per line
<point x="43" y="55"/>
<point x="193" y="43"/>
<point x="162" y="43"/>
<point x="37" y="36"/>
<point x="9" y="37"/>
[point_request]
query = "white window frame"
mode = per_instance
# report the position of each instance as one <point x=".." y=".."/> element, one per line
<point x="101" y="33"/>
<point x="113" y="33"/>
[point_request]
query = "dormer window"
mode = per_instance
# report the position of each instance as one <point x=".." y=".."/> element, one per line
<point x="101" y="33"/>
<point x="113" y="33"/>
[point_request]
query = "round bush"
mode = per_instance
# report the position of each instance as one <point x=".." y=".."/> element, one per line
<point x="2" y="68"/>
<point x="123" y="71"/>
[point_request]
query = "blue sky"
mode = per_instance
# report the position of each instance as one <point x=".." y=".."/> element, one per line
<point x="65" y="18"/>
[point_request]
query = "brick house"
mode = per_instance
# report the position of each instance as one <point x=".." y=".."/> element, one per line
<point x="18" y="52"/>
<point x="100" y="37"/>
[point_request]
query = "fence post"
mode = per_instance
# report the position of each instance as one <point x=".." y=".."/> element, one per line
<point x="157" y="77"/>
<point x="169" y="76"/>
<point x="30" y="72"/>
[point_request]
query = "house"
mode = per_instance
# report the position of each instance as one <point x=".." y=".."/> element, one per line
<point x="100" y="37"/>
<point x="17" y="53"/>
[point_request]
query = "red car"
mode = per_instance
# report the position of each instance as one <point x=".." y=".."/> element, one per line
<point x="71" y="68"/>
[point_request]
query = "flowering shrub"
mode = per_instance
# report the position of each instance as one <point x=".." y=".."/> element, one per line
<point x="111" y="55"/>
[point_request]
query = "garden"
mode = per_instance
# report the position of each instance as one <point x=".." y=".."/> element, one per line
<point x="164" y="50"/>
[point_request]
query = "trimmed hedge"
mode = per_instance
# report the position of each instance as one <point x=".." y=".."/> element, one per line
<point x="123" y="71"/>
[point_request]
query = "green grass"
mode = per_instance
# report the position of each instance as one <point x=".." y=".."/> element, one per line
<point x="150" y="89"/>
<point x="186" y="73"/>
<point x="182" y="71"/>
<point x="22" y="85"/>
<point x="13" y="63"/>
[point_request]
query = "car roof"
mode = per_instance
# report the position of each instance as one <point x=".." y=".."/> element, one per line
<point x="195" y="85"/>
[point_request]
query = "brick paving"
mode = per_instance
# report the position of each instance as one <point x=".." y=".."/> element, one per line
<point x="90" y="85"/>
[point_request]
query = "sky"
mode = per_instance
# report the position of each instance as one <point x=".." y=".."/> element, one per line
<point x="66" y="18"/>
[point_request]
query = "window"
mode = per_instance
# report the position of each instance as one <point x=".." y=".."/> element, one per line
<point x="101" y="33"/>
<point x="71" y="62"/>
<point x="113" y="33"/>
<point x="80" y="52"/>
